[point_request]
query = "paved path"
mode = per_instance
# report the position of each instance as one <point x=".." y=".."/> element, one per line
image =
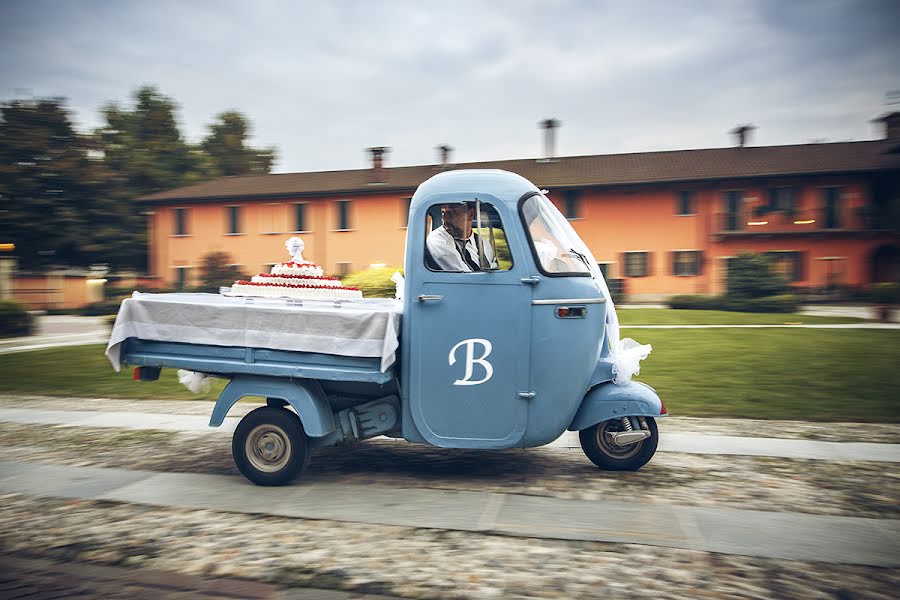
<point x="840" y="310"/>
<point x="55" y="331"/>
<point x="39" y="579"/>
<point x="859" y="311"/>
<point x="781" y="535"/>
<point x="781" y="326"/>
<point x="669" y="442"/>
<point x="41" y="342"/>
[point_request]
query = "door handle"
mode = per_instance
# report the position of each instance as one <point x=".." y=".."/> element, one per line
<point x="533" y="280"/>
<point x="427" y="297"/>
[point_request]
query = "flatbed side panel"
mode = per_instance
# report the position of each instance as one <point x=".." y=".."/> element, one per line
<point x="233" y="360"/>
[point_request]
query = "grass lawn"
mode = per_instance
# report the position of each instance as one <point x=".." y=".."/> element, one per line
<point x="84" y="371"/>
<point x="812" y="374"/>
<point x="668" y="316"/>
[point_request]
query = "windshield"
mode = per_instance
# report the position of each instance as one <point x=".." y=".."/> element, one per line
<point x="558" y="248"/>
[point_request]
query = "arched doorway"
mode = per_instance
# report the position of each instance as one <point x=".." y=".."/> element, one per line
<point x="884" y="263"/>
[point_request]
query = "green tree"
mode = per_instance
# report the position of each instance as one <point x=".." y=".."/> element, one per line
<point x="143" y="151"/>
<point x="750" y="276"/>
<point x="217" y="271"/>
<point x="144" y="147"/>
<point x="226" y="146"/>
<point x="70" y="199"/>
<point x="56" y="203"/>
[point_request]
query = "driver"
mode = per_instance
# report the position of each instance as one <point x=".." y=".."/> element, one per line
<point x="454" y="245"/>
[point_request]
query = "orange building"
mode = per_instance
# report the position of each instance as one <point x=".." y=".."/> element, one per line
<point x="662" y="222"/>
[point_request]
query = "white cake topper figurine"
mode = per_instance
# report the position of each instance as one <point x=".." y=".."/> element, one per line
<point x="295" y="248"/>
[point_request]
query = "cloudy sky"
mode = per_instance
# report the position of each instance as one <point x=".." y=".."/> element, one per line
<point x="321" y="81"/>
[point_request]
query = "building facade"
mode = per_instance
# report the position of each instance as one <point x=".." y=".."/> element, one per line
<point x="662" y="222"/>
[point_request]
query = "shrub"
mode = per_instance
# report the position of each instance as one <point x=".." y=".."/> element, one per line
<point x="15" y="320"/>
<point x="886" y="293"/>
<point x="97" y="309"/>
<point x="750" y="276"/>
<point x="62" y="311"/>
<point x="783" y="303"/>
<point x="374" y="283"/>
<point x="125" y="292"/>
<point x="216" y="271"/>
<point x="690" y="302"/>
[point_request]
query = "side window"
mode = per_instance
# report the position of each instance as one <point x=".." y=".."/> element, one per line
<point x="343" y="215"/>
<point x="300" y="217"/>
<point x="233" y="214"/>
<point x="181" y="227"/>
<point x="685" y="203"/>
<point x="464" y="237"/>
<point x="637" y="264"/>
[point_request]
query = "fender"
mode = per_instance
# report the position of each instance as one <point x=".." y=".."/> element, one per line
<point x="608" y="401"/>
<point x="602" y="372"/>
<point x="304" y="395"/>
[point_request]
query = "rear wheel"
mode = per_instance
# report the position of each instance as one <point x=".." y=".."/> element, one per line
<point x="270" y="446"/>
<point x="599" y="446"/>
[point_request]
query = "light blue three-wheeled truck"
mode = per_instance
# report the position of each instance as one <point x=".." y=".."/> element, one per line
<point x="508" y="351"/>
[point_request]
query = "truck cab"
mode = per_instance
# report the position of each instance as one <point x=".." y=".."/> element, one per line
<point x="501" y="356"/>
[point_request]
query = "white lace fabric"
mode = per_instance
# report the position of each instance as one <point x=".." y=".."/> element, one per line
<point x="626" y="354"/>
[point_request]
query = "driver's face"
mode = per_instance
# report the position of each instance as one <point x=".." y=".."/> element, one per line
<point x="455" y="214"/>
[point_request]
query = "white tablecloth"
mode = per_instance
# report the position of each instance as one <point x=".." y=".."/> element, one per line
<point x="368" y="327"/>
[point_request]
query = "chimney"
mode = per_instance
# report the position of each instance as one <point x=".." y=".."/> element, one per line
<point x="742" y="134"/>
<point x="891" y="125"/>
<point x="548" y="125"/>
<point x="378" y="153"/>
<point x="444" y="155"/>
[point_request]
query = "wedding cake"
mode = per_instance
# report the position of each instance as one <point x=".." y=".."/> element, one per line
<point x="296" y="278"/>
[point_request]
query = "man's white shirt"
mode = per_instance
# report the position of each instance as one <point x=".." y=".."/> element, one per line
<point x="443" y="250"/>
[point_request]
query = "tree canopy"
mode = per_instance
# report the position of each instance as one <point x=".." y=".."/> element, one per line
<point x="226" y="145"/>
<point x="69" y="198"/>
<point x="144" y="147"/>
<point x="58" y="204"/>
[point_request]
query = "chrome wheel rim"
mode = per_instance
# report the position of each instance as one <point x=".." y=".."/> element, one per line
<point x="610" y="448"/>
<point x="268" y="448"/>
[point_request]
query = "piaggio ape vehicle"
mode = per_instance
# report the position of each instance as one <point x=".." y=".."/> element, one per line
<point x="508" y="352"/>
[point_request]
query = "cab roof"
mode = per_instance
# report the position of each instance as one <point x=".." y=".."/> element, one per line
<point x="504" y="185"/>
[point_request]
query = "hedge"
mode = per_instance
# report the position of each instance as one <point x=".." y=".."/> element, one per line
<point x="374" y="283"/>
<point x="15" y="320"/>
<point x="784" y="303"/>
<point x="107" y="307"/>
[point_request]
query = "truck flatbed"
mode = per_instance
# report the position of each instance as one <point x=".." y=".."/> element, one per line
<point x="229" y="361"/>
<point x="209" y="333"/>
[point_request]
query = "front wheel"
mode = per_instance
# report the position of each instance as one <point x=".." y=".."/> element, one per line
<point x="270" y="446"/>
<point x="598" y="444"/>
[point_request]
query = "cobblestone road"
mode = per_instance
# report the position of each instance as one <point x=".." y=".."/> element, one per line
<point x="426" y="563"/>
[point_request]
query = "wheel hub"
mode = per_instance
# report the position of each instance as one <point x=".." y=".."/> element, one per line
<point x="268" y="448"/>
<point x="607" y="442"/>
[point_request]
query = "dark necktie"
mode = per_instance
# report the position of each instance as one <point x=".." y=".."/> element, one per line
<point x="464" y="253"/>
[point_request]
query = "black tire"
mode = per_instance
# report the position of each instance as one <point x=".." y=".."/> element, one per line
<point x="270" y="447"/>
<point x="620" y="458"/>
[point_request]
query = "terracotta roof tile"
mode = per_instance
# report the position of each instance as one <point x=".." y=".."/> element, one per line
<point x="572" y="171"/>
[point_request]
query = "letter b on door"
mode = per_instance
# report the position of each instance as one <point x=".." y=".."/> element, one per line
<point x="471" y="360"/>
